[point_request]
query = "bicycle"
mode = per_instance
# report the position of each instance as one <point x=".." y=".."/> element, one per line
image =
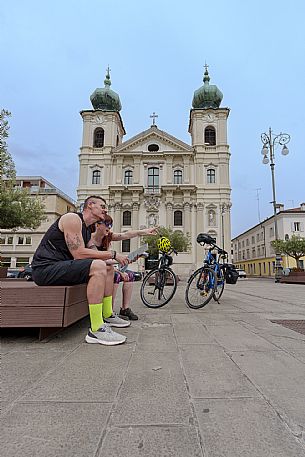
<point x="208" y="281"/>
<point x="160" y="284"/>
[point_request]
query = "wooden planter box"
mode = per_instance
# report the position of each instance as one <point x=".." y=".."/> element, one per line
<point x="24" y="304"/>
<point x="3" y="272"/>
<point x="294" y="277"/>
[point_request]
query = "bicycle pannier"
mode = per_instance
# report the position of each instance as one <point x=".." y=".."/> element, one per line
<point x="231" y="275"/>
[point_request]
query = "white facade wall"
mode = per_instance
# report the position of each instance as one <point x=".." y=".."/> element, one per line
<point x="205" y="206"/>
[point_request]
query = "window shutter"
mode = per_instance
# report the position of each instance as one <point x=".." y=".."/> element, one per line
<point x="301" y="226"/>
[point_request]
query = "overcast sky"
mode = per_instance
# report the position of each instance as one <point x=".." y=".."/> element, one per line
<point x="55" y="53"/>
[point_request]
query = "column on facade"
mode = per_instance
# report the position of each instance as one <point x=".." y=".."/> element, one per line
<point x="87" y="130"/>
<point x="227" y="229"/>
<point x="119" y="167"/>
<point x="186" y="171"/>
<point x="117" y="217"/>
<point x="169" y="170"/>
<point x="169" y="215"/>
<point x="193" y="234"/>
<point x="187" y="217"/>
<point x="134" y="242"/>
<point x="136" y="178"/>
<point x="200" y="229"/>
<point x="200" y="218"/>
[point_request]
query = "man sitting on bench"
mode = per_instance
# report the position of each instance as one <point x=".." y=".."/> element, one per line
<point x="67" y="255"/>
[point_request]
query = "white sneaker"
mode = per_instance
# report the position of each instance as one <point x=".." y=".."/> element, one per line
<point x="105" y="335"/>
<point x="116" y="321"/>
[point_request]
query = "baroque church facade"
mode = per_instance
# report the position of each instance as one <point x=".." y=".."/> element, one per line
<point x="154" y="178"/>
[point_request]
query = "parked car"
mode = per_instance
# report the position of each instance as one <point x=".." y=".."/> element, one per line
<point x="26" y="273"/>
<point x="241" y="273"/>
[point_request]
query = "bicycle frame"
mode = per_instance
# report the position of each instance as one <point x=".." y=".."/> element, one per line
<point x="213" y="260"/>
<point x="159" y="277"/>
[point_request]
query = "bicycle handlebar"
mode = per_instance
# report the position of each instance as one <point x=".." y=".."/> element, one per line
<point x="220" y="250"/>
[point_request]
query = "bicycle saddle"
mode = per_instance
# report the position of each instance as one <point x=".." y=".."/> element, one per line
<point x="205" y="238"/>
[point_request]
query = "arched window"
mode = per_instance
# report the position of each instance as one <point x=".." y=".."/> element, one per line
<point x="98" y="141"/>
<point x="177" y="177"/>
<point x="210" y="136"/>
<point x="126" y="246"/>
<point x="128" y="177"/>
<point x="127" y="218"/>
<point x="177" y="218"/>
<point x="211" y="176"/>
<point x="153" y="178"/>
<point x="96" y="177"/>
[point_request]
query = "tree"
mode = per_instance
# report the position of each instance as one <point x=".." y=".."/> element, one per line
<point x="295" y="248"/>
<point x="17" y="208"/>
<point x="179" y="241"/>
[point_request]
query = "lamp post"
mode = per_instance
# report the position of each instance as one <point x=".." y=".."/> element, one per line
<point x="270" y="141"/>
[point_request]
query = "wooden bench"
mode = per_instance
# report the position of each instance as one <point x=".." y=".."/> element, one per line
<point x="24" y="304"/>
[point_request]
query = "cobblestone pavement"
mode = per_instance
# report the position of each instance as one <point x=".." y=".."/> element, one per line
<point x="223" y="381"/>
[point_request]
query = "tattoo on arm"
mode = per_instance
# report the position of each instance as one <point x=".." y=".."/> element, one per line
<point x="73" y="242"/>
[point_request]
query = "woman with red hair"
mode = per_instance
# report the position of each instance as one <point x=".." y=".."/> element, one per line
<point x="105" y="236"/>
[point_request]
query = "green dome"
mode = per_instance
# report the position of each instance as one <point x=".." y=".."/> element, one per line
<point x="104" y="98"/>
<point x="207" y="96"/>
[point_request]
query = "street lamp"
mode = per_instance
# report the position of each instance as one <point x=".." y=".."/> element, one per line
<point x="270" y="141"/>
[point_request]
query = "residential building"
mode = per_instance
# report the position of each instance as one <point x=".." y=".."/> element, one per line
<point x="252" y="249"/>
<point x="18" y="246"/>
<point x="155" y="178"/>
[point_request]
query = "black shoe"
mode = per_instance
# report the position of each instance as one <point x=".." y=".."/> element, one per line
<point x="129" y="314"/>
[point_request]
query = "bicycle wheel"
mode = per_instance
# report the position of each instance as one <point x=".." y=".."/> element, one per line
<point x="220" y="285"/>
<point x="158" y="287"/>
<point x="200" y="287"/>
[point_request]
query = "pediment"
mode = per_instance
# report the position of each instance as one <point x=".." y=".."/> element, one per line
<point x="165" y="141"/>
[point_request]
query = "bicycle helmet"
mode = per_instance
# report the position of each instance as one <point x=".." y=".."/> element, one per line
<point x="163" y="244"/>
<point x="205" y="238"/>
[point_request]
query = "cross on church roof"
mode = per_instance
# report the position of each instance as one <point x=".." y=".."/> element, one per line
<point x="206" y="66"/>
<point x="153" y="116"/>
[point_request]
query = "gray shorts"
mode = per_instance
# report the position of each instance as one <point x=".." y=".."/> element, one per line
<point x="63" y="273"/>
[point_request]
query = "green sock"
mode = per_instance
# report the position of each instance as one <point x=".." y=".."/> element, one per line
<point x="96" y="316"/>
<point x="107" y="306"/>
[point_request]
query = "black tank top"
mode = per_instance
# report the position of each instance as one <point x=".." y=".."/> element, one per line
<point x="53" y="247"/>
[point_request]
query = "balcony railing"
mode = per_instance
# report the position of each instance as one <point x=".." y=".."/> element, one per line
<point x="153" y="190"/>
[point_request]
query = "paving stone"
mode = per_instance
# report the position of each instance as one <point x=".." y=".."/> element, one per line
<point x="189" y="333"/>
<point x="157" y="338"/>
<point x="244" y="428"/>
<point x="233" y="337"/>
<point x="19" y="370"/>
<point x="164" y="441"/>
<point x="280" y="377"/>
<point x="153" y="392"/>
<point x="91" y="373"/>
<point x="274" y="369"/>
<point x="211" y="373"/>
<point x="53" y="429"/>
